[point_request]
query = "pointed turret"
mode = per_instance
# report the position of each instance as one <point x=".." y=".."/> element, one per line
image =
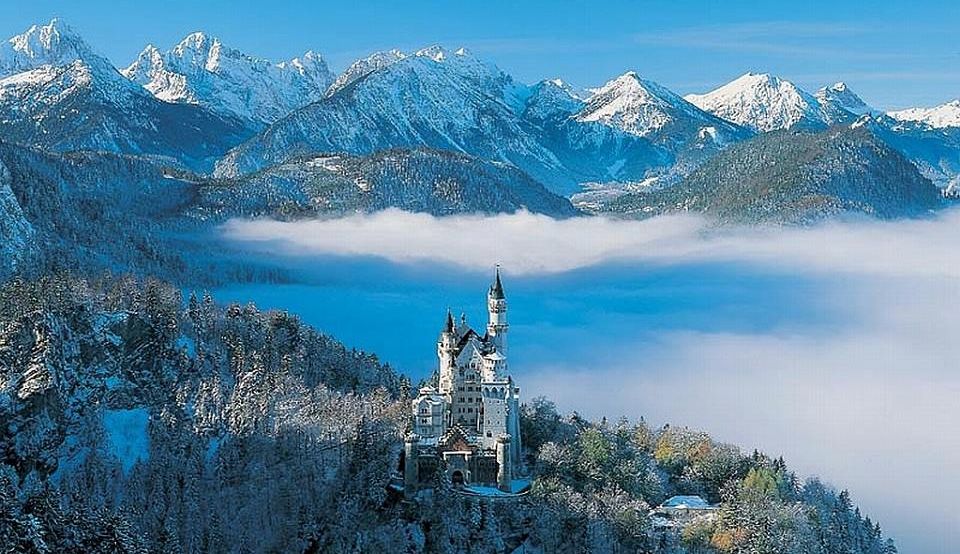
<point x="448" y="327"/>
<point x="496" y="289"/>
<point x="497" y="310"/>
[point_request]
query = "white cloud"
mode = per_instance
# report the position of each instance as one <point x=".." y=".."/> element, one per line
<point x="528" y="244"/>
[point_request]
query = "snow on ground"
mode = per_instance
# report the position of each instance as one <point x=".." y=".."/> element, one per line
<point x="127" y="435"/>
<point x="188" y="345"/>
<point x="517" y="487"/>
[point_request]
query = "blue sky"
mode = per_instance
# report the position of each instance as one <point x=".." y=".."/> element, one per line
<point x="895" y="54"/>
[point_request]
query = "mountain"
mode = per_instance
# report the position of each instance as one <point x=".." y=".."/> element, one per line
<point x="646" y="109"/>
<point x="431" y="99"/>
<point x="438" y="100"/>
<point x="429" y="181"/>
<point x="363" y="67"/>
<point x="201" y="70"/>
<point x="938" y="117"/>
<point x="56" y="93"/>
<point x="551" y="99"/>
<point x="934" y="150"/>
<point x="90" y="210"/>
<point x="796" y="177"/>
<point x="840" y="103"/>
<point x="763" y="103"/>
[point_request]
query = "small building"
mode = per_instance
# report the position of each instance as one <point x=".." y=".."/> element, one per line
<point x="677" y="511"/>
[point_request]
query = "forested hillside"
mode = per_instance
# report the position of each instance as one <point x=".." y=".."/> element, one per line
<point x="134" y="420"/>
<point x="795" y="177"/>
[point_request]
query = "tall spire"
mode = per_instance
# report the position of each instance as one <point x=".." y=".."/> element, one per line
<point x="496" y="290"/>
<point x="448" y="327"/>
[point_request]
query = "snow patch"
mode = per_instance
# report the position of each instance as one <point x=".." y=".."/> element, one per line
<point x="127" y="436"/>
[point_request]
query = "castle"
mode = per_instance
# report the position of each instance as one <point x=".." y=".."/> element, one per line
<point x="471" y="420"/>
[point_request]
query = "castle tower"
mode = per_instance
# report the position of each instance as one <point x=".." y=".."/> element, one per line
<point x="446" y="345"/>
<point x="497" y="310"/>
<point x="513" y="419"/>
<point x="504" y="464"/>
<point x="411" y="470"/>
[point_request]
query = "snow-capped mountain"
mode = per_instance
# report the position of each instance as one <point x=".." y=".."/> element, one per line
<point x="363" y="67"/>
<point x="646" y="109"/>
<point x="552" y="99"/>
<point x="627" y="130"/>
<point x="433" y="98"/>
<point x="53" y="44"/>
<point x="201" y="70"/>
<point x="840" y="100"/>
<point x="57" y="93"/>
<point x="937" y="117"/>
<point x="762" y="102"/>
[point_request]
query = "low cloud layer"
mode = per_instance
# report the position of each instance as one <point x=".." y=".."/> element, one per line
<point x="529" y="244"/>
<point x="865" y="395"/>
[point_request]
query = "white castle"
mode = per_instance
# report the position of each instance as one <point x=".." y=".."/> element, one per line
<point x="472" y="419"/>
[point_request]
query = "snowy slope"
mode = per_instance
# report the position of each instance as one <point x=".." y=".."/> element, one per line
<point x="551" y="99"/>
<point x="444" y="100"/>
<point x="201" y="70"/>
<point x="762" y="102"/>
<point x="937" y="117"/>
<point x="646" y="109"/>
<point x="56" y="93"/>
<point x="363" y="67"/>
<point x="53" y="44"/>
<point x="433" y="98"/>
<point x="839" y="100"/>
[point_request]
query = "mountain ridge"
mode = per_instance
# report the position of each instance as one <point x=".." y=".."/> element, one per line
<point x="200" y="69"/>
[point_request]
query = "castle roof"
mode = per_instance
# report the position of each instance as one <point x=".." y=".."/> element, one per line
<point x="448" y="326"/>
<point x="496" y="289"/>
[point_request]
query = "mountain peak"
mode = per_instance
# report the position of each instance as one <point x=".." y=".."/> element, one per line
<point x="636" y="105"/>
<point x="201" y="70"/>
<point x="552" y="98"/>
<point x="365" y="66"/>
<point x="838" y="98"/>
<point x="434" y="52"/>
<point x="55" y="43"/>
<point x="197" y="40"/>
<point x="761" y="101"/>
<point x="46" y="37"/>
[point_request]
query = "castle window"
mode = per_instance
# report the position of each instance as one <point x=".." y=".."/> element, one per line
<point x="470" y="410"/>
<point x="489" y="434"/>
